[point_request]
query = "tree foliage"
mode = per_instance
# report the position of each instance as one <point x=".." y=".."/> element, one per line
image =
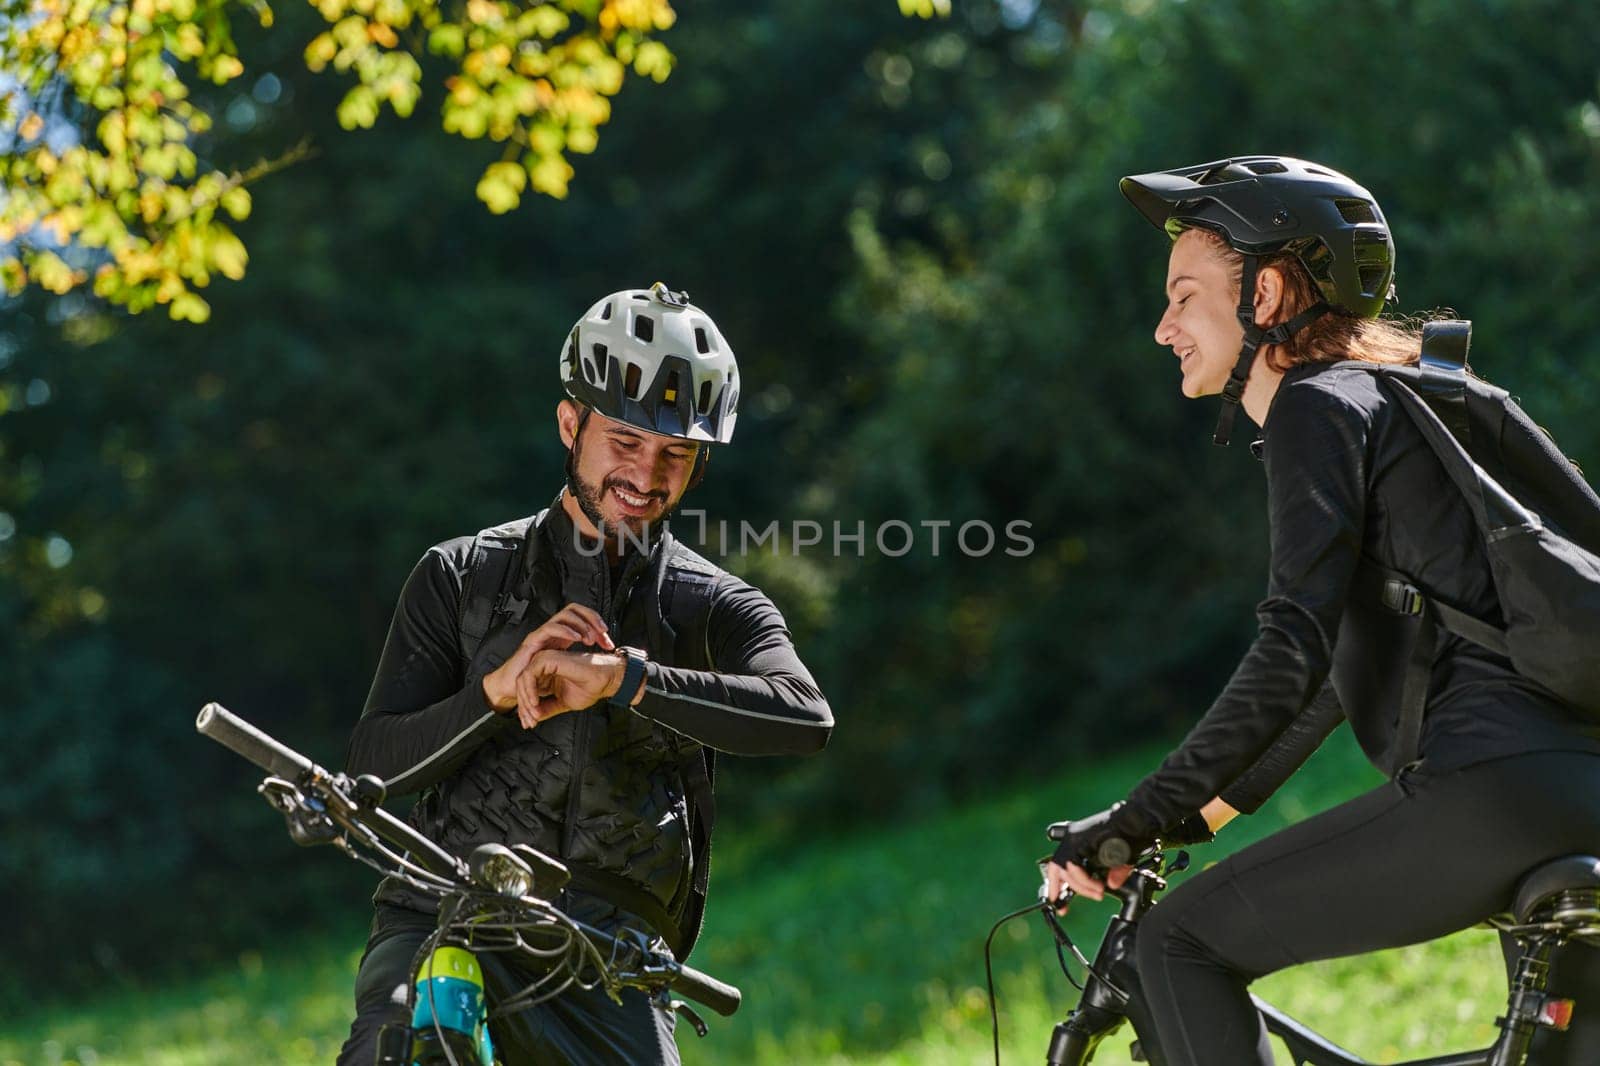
<point x="910" y="232"/>
<point x="109" y="176"/>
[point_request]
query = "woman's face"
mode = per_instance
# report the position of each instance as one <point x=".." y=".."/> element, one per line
<point x="1201" y="324"/>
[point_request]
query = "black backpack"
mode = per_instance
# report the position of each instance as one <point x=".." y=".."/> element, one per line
<point x="682" y="602"/>
<point x="1540" y="522"/>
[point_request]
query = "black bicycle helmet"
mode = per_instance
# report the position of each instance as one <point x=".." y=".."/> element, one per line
<point x="1263" y="204"/>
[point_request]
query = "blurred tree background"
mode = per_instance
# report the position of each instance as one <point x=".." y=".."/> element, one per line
<point x="909" y="230"/>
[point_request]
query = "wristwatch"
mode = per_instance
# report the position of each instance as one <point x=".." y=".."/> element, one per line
<point x="631" y="675"/>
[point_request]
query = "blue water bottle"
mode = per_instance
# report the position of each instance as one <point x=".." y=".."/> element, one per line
<point x="450" y="1010"/>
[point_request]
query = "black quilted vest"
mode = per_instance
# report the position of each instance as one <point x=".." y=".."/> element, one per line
<point x="623" y="801"/>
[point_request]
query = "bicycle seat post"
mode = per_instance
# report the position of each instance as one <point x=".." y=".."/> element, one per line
<point x="1524" y="1002"/>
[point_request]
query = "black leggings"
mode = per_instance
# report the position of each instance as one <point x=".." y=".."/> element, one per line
<point x="1417" y="859"/>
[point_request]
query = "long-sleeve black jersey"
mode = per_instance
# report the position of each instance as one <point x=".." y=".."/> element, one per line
<point x="1349" y="476"/>
<point x="759" y="700"/>
<point x="608" y="788"/>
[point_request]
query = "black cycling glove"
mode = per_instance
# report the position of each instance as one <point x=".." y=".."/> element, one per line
<point x="1082" y="841"/>
<point x="1090" y="842"/>
<point x="1192" y="830"/>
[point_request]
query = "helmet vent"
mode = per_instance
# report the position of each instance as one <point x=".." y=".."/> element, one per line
<point x="605" y="313"/>
<point x="595" y="370"/>
<point x="1372" y="277"/>
<point x="1354" y="211"/>
<point x="1266" y="167"/>
<point x="705" y="396"/>
<point x="630" y="381"/>
<point x="702" y="343"/>
<point x="644" y="327"/>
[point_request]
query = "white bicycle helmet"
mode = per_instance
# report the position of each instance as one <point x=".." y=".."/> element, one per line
<point x="650" y="358"/>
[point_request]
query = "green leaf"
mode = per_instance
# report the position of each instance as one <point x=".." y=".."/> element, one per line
<point x="227" y="253"/>
<point x="447" y="40"/>
<point x="188" y="307"/>
<point x="359" y="108"/>
<point x="501" y="186"/>
<point x="236" y="202"/>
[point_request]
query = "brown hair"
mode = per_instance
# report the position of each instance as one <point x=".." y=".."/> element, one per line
<point x="1333" y="337"/>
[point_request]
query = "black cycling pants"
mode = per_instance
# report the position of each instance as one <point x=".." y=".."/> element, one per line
<point x="577" y="1027"/>
<point x="1414" y="860"/>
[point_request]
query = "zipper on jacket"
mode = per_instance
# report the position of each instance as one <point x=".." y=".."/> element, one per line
<point x="580" y="743"/>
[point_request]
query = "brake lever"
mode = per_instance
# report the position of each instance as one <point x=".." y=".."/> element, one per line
<point x="307" y="817"/>
<point x="699" y="1023"/>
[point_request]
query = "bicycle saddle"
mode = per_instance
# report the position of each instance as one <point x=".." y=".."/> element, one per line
<point x="1564" y="890"/>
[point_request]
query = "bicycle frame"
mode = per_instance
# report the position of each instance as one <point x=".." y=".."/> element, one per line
<point x="1103" y="1007"/>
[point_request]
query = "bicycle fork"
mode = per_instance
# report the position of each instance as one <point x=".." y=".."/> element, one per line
<point x="1103" y="1006"/>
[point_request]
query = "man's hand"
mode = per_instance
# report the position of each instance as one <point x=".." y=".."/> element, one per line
<point x="555" y="682"/>
<point x="573" y="624"/>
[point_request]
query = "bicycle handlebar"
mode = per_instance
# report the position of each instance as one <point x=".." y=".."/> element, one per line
<point x="231" y="731"/>
<point x="703" y="988"/>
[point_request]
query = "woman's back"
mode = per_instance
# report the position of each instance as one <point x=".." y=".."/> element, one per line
<point x="1352" y="482"/>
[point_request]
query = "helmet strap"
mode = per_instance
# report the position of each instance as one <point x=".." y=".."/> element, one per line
<point x="572" y="452"/>
<point x="699" y="471"/>
<point x="1254" y="338"/>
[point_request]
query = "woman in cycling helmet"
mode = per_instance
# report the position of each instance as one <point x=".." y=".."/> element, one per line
<point x="1277" y="273"/>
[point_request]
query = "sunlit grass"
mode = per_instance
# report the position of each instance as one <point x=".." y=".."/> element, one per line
<point x="863" y="947"/>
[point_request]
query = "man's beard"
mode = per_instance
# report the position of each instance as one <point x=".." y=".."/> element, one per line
<point x="632" y="531"/>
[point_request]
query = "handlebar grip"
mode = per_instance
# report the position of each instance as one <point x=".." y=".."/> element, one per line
<point x="1113" y="851"/>
<point x="231" y="731"/>
<point x="703" y="988"/>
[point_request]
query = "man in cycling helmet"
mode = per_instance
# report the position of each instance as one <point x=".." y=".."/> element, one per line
<point x="563" y="680"/>
<point x="1277" y="272"/>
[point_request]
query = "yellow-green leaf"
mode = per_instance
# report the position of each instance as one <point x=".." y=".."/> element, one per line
<point x="52" y="273"/>
<point x="447" y="39"/>
<point x="501" y="186"/>
<point x="358" y="108"/>
<point x="188" y="307"/>
<point x="227" y="254"/>
<point x="550" y="176"/>
<point x="236" y="202"/>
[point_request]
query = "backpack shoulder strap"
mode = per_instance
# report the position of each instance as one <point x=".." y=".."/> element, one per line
<point x="488" y="589"/>
<point x="1441" y="377"/>
<point x="683" y="597"/>
<point x="1445" y="344"/>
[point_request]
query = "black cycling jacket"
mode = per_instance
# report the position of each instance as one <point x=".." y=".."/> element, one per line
<point x="1349" y="476"/>
<point x="603" y="788"/>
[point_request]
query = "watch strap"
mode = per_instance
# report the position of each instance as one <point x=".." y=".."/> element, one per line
<point x="632" y="673"/>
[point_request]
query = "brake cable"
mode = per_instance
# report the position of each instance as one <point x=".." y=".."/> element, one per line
<point x="1063" y="941"/>
<point x="988" y="971"/>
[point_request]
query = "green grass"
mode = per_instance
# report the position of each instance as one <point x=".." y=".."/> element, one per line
<point x="864" y="947"/>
